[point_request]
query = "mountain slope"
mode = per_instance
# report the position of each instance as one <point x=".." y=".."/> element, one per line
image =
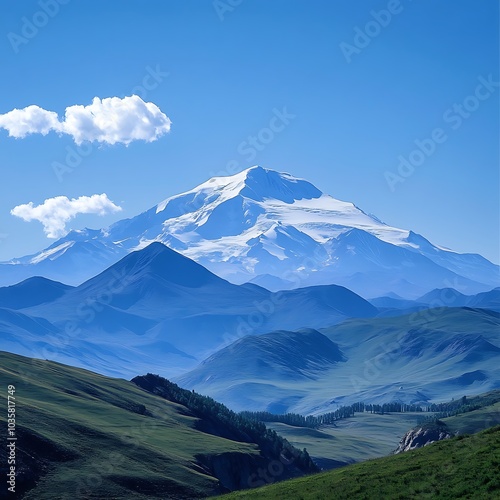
<point x="420" y="357"/>
<point x="82" y="435"/>
<point x="461" y="467"/>
<point x="158" y="310"/>
<point x="31" y="292"/>
<point x="270" y="227"/>
<point x="448" y="297"/>
<point x="463" y="416"/>
<point x="487" y="300"/>
<point x="280" y="356"/>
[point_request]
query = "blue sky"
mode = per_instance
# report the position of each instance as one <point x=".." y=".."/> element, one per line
<point x="359" y="102"/>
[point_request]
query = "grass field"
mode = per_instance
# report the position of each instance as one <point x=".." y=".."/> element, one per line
<point x="361" y="437"/>
<point x="366" y="435"/>
<point x="82" y="435"/>
<point x="474" y="421"/>
<point x="461" y="467"/>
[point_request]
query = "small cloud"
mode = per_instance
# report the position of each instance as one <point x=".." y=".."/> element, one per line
<point x="30" y="120"/>
<point x="111" y="120"/>
<point x="54" y="213"/>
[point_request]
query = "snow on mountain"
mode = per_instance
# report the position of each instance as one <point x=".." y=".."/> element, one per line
<point x="272" y="229"/>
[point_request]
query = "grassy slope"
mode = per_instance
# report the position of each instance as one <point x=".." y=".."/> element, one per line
<point x="462" y="467"/>
<point x="97" y="441"/>
<point x="474" y="421"/>
<point x="368" y="435"/>
<point x="484" y="417"/>
<point x="361" y="437"/>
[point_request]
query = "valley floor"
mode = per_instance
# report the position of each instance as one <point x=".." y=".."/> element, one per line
<point x="354" y="439"/>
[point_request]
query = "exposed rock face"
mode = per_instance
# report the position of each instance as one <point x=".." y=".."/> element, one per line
<point x="419" y="437"/>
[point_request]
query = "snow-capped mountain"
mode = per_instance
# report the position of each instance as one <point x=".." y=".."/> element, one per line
<point x="274" y="230"/>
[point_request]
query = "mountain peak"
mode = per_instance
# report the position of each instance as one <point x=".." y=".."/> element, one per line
<point x="31" y="292"/>
<point x="261" y="183"/>
<point x="159" y="262"/>
<point x="255" y="183"/>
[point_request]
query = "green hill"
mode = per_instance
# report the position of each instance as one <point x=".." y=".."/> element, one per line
<point x="456" y="417"/>
<point x="474" y="421"/>
<point x="472" y="414"/>
<point x="83" y="435"/>
<point x="460" y="467"/>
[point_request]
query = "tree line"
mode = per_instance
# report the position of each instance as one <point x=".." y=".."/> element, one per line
<point x="459" y="406"/>
<point x="314" y="422"/>
<point x="215" y="418"/>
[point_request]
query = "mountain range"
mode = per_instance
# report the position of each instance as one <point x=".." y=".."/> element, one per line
<point x="189" y="289"/>
<point x="156" y="310"/>
<point x="443" y="297"/>
<point x="305" y="350"/>
<point x="412" y="358"/>
<point x="271" y="229"/>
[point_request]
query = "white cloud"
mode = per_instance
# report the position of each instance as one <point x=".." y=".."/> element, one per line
<point x="111" y="120"/>
<point x="115" y="120"/>
<point x="30" y="120"/>
<point x="54" y="213"/>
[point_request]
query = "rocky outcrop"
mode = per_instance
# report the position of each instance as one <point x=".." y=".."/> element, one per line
<point x="422" y="436"/>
